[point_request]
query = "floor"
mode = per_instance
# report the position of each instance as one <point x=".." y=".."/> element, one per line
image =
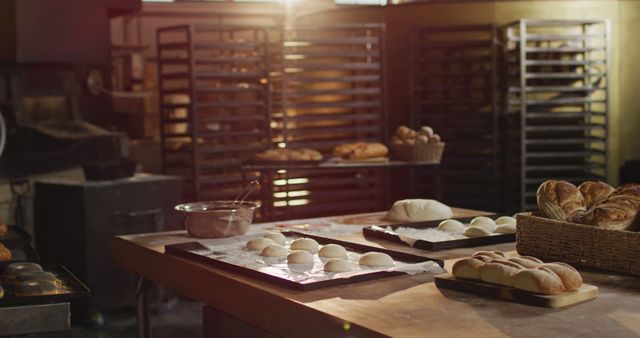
<point x="182" y="319"/>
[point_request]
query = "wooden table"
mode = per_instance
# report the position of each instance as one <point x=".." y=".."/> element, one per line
<point x="399" y="306"/>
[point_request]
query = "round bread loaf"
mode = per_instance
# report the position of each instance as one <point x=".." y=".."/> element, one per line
<point x="276" y="237"/>
<point x="451" y="225"/>
<point x="300" y="257"/>
<point x="258" y="244"/>
<point x="338" y="265"/>
<point x="35" y="287"/>
<point x="11" y="271"/>
<point x="306" y="244"/>
<point x="332" y="250"/>
<point x="417" y="210"/>
<point x="274" y="250"/>
<point x="559" y="200"/>
<point x="375" y="259"/>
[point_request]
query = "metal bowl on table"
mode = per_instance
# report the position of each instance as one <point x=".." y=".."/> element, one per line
<point x="215" y="219"/>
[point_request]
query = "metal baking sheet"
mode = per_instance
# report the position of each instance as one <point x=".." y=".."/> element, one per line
<point x="375" y="232"/>
<point x="74" y="288"/>
<point x="198" y="252"/>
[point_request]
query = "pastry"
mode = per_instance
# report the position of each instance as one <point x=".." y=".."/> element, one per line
<point x="338" y="265"/>
<point x="451" y="225"/>
<point x="333" y="251"/>
<point x="306" y="244"/>
<point x="375" y="259"/>
<point x="11" y="271"/>
<point x="276" y="237"/>
<point x="360" y="150"/>
<point x="559" y="200"/>
<point x="619" y="211"/>
<point x="499" y="272"/>
<point x="5" y="253"/>
<point x="257" y="244"/>
<point x="542" y="280"/>
<point x="417" y="210"/>
<point x="35" y="287"/>
<point x="274" y="250"/>
<point x="300" y="257"/>
<point x="476" y="231"/>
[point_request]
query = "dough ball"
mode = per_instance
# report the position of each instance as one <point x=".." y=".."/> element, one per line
<point x="426" y="130"/>
<point x="484" y="222"/>
<point x="476" y="231"/>
<point x="274" y="250"/>
<point x="276" y="237"/>
<point x="451" y="225"/>
<point x="300" y="257"/>
<point x="375" y="259"/>
<point x="306" y="244"/>
<point x="417" y="210"/>
<point x="506" y="220"/>
<point x="338" y="265"/>
<point x="332" y="250"/>
<point x="258" y="244"/>
<point x="506" y="229"/>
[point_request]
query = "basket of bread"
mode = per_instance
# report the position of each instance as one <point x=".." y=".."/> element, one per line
<point x="417" y="146"/>
<point x="591" y="225"/>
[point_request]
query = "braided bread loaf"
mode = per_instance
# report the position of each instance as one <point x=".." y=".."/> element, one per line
<point x="524" y="273"/>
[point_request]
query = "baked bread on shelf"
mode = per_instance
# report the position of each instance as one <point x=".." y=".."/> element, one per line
<point x="360" y="150"/>
<point x="284" y="154"/>
<point x="524" y="273"/>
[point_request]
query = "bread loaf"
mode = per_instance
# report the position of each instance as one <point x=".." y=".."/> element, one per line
<point x="594" y="192"/>
<point x="524" y="273"/>
<point x="499" y="272"/>
<point x="542" y="280"/>
<point x="619" y="211"/>
<point x="559" y="200"/>
<point x="360" y="150"/>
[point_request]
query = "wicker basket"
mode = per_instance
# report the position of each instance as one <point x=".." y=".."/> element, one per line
<point x="579" y="245"/>
<point x="428" y="153"/>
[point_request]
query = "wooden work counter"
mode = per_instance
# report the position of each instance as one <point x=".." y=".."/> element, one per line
<point x="399" y="306"/>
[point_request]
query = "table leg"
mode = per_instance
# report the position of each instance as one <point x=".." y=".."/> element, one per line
<point x="142" y="307"/>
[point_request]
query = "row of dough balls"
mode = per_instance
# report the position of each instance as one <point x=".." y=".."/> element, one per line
<point x="480" y="226"/>
<point x="272" y="245"/>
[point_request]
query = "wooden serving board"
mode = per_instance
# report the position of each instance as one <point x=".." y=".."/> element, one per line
<point x="585" y="293"/>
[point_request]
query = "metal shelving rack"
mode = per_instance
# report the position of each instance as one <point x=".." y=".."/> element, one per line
<point x="455" y="88"/>
<point x="215" y="104"/>
<point x="558" y="103"/>
<point x="328" y="89"/>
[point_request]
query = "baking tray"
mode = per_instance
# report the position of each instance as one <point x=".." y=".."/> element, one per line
<point x="15" y="235"/>
<point x="195" y="251"/>
<point x="372" y="232"/>
<point x="75" y="288"/>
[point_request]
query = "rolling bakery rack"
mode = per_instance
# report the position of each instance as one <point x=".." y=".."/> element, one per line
<point x="215" y="104"/>
<point x="455" y="88"/>
<point x="558" y="103"/>
<point x="328" y="89"/>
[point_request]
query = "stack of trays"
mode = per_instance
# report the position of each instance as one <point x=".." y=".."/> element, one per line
<point x="558" y="104"/>
<point x="454" y="89"/>
<point x="215" y="104"/>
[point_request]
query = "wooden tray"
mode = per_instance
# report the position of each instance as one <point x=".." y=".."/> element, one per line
<point x="76" y="289"/>
<point x="585" y="293"/>
<point x="190" y="251"/>
<point x="372" y="232"/>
